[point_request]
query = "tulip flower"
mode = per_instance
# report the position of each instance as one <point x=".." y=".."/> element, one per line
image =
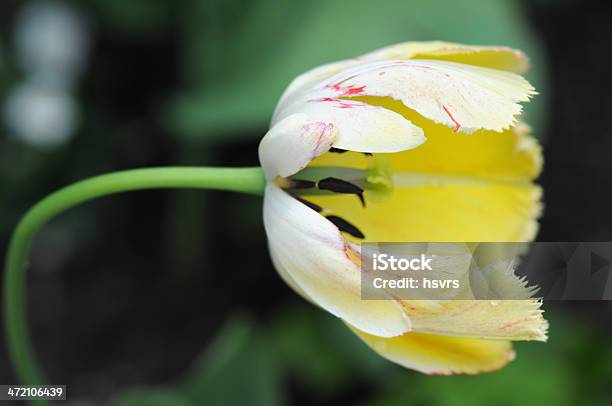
<point x="417" y="142"/>
<point x="413" y="142"/>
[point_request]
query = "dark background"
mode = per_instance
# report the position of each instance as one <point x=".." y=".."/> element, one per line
<point x="164" y="297"/>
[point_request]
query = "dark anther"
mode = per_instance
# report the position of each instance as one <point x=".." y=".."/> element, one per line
<point x="342" y="151"/>
<point x="337" y="150"/>
<point x="341" y="186"/>
<point x="361" y="199"/>
<point x="313" y="206"/>
<point x="345" y="226"/>
<point x="302" y="184"/>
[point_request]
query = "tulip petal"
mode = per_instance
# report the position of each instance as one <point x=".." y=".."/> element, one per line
<point x="444" y="209"/>
<point x="292" y="143"/>
<point x="455" y="212"/>
<point x="512" y="155"/>
<point x="286" y="276"/>
<point x="307" y="79"/>
<point x="311" y="250"/>
<point x="492" y="319"/>
<point x="495" y="57"/>
<point x="491" y="198"/>
<point x="363" y="127"/>
<point x="432" y="354"/>
<point x="455" y="187"/>
<point x="463" y="97"/>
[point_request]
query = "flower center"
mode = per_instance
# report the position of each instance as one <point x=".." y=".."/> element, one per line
<point x="376" y="180"/>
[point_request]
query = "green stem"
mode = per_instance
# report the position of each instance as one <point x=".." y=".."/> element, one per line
<point x="247" y="180"/>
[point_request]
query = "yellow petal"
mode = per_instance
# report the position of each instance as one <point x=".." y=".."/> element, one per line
<point x="448" y="209"/>
<point x="456" y="187"/>
<point x="447" y="212"/>
<point x="495" y="57"/>
<point x="433" y="354"/>
<point x="312" y="257"/>
<point x="512" y="155"/>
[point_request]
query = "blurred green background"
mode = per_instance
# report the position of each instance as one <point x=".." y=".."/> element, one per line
<point x="169" y="298"/>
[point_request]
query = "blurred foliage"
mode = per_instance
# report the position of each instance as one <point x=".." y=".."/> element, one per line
<point x="239" y="368"/>
<point x="249" y="364"/>
<point x="240" y="55"/>
<point x="321" y="352"/>
<point x="134" y="16"/>
<point x="152" y="397"/>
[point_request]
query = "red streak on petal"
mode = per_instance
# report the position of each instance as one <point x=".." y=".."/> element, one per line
<point x="324" y="130"/>
<point x="346" y="90"/>
<point x="353" y="90"/>
<point x="406" y="306"/>
<point x="508" y="325"/>
<point x="351" y="254"/>
<point x="457" y="125"/>
<point x="337" y="102"/>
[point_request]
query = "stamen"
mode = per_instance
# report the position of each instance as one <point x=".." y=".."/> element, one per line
<point x="337" y="150"/>
<point x="341" y="186"/>
<point x="345" y="226"/>
<point x="301" y="184"/>
<point x="342" y="151"/>
<point x="324" y="180"/>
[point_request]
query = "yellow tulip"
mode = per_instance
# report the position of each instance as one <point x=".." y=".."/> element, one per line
<point x="427" y="136"/>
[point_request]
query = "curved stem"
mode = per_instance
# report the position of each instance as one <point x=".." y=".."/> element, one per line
<point x="247" y="180"/>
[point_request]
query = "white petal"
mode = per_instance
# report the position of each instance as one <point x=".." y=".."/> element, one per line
<point x="286" y="276"/>
<point x="460" y="96"/>
<point x="292" y="143"/>
<point x="363" y="127"/>
<point x="311" y="251"/>
<point x="457" y="95"/>
<point x="496" y="57"/>
<point x="306" y="80"/>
